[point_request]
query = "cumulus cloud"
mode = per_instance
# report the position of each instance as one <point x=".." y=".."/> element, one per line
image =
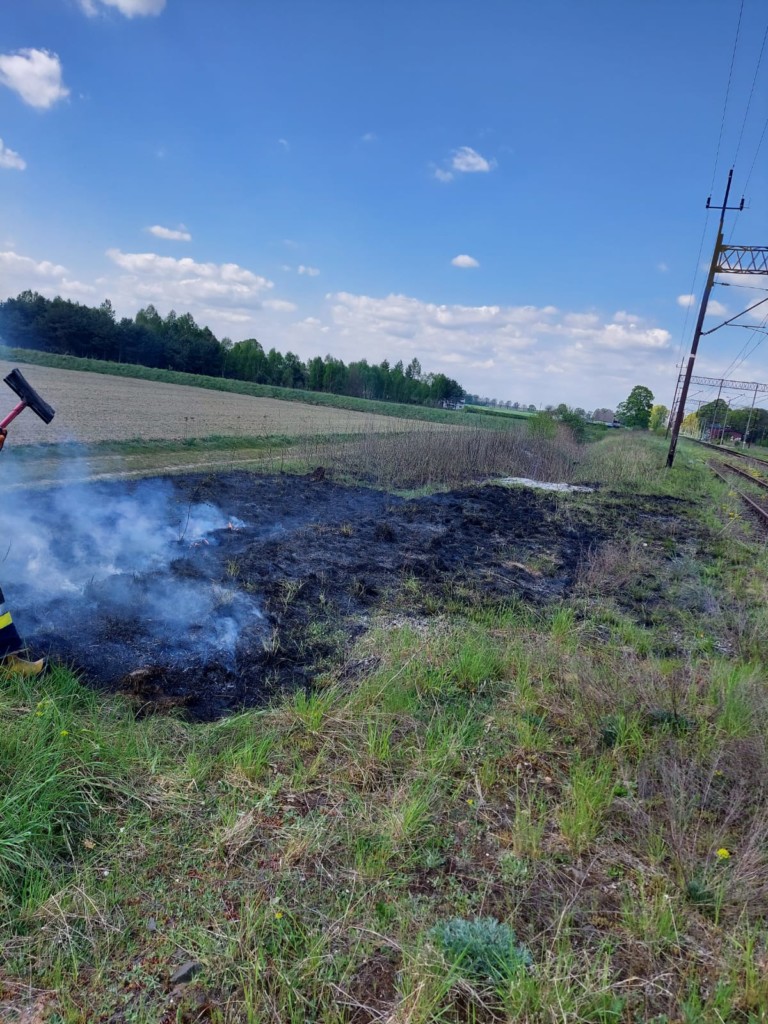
<point x="466" y="160"/>
<point x="463" y="160"/>
<point x="490" y="348"/>
<point x="18" y="273"/>
<point x="179" y="234"/>
<point x="12" y="262"/>
<point x="164" y="278"/>
<point x="36" y="75"/>
<point x="715" y="308"/>
<point x="10" y="159"/>
<point x="309" y="271"/>
<point x="464" y="261"/>
<point x="130" y="8"/>
<point x="686" y="300"/>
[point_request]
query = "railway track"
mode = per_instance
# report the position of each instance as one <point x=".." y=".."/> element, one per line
<point x="721" y="468"/>
<point x="730" y="452"/>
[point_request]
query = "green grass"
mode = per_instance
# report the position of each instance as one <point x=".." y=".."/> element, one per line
<point x="586" y="775"/>
<point x="240" y="387"/>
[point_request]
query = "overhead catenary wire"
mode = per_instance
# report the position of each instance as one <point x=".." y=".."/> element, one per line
<point x="757" y="153"/>
<point x="727" y="94"/>
<point x="751" y="94"/>
<point x="697" y="268"/>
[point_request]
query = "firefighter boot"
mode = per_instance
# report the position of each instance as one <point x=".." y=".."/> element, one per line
<point x="23" y="667"/>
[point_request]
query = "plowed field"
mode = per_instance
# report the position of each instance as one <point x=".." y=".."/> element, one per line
<point x="95" y="407"/>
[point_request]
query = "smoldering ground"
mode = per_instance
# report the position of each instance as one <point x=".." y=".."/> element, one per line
<point x="212" y="591"/>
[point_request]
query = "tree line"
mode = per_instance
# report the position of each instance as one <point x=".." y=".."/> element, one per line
<point x="714" y="420"/>
<point x="177" y="342"/>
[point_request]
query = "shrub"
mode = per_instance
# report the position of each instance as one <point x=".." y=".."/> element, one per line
<point x="483" y="949"/>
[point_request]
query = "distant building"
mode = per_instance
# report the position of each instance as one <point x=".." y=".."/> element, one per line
<point x="718" y="434"/>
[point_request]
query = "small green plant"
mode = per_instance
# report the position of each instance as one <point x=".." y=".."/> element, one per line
<point x="481" y="949"/>
<point x="589" y="794"/>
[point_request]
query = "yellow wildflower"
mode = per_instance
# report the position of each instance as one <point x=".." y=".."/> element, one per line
<point x="723" y="854"/>
<point x="278" y="915"/>
<point x="64" y="732"/>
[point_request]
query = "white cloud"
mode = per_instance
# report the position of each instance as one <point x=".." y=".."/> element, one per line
<point x="10" y="159"/>
<point x="185" y="282"/>
<point x="497" y="349"/>
<point x="686" y="300"/>
<point x="715" y="308"/>
<point x="279" y="305"/>
<point x="36" y="75"/>
<point x="463" y="160"/>
<point x="130" y="8"/>
<point x="179" y="234"/>
<point x="464" y="261"/>
<point x="468" y="161"/>
<point x="12" y="262"/>
<point x="309" y="271"/>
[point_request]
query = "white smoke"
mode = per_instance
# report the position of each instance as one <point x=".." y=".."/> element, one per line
<point x="79" y="554"/>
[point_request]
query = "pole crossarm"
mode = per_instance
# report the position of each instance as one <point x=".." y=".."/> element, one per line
<point x="732" y="385"/>
<point x="742" y="259"/>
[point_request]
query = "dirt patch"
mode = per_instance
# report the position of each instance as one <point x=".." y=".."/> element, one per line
<point x="306" y="564"/>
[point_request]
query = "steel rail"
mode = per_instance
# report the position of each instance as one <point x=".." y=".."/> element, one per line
<point x="747" y="476"/>
<point x="761" y="512"/>
<point x="728" y="451"/>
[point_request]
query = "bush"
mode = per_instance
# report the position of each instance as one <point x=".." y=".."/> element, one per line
<point x="483" y="949"/>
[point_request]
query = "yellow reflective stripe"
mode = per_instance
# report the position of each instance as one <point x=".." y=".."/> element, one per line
<point x="5" y="620"/>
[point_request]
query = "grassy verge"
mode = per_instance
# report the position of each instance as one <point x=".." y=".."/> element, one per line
<point x="240" y="387"/>
<point x="516" y="814"/>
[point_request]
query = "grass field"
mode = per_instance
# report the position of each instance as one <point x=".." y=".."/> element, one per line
<point x="536" y="814"/>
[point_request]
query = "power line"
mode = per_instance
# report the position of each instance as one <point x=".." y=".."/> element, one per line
<point x="757" y="344"/>
<point x="692" y="289"/>
<point x="757" y="152"/>
<point x="727" y="93"/>
<point x="751" y="94"/>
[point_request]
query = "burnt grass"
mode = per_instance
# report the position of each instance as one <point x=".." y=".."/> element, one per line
<point x="319" y="560"/>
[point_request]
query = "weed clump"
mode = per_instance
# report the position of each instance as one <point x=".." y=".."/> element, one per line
<point x="483" y="949"/>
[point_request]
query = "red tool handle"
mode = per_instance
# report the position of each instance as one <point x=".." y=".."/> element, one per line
<point x="13" y="414"/>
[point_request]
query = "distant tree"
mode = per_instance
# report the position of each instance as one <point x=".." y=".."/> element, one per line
<point x="659" y="414"/>
<point x="713" y="413"/>
<point x="635" y="411"/>
<point x="603" y="415"/>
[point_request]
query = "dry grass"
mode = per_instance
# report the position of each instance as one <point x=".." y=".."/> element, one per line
<point x="92" y="407"/>
<point x="433" y="455"/>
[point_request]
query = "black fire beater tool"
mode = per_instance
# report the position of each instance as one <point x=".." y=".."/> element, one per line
<point x="29" y="400"/>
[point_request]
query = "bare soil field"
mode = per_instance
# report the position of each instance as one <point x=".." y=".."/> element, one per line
<point x="91" y="407"/>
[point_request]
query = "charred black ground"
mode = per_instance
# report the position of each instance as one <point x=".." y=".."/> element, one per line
<point x="314" y="559"/>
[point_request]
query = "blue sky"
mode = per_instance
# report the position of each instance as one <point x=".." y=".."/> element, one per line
<point x="513" y="193"/>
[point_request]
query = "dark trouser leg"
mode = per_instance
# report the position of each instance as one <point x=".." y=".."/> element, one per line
<point x="10" y="641"/>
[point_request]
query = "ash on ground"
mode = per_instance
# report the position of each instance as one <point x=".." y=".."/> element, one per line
<point x="288" y="571"/>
